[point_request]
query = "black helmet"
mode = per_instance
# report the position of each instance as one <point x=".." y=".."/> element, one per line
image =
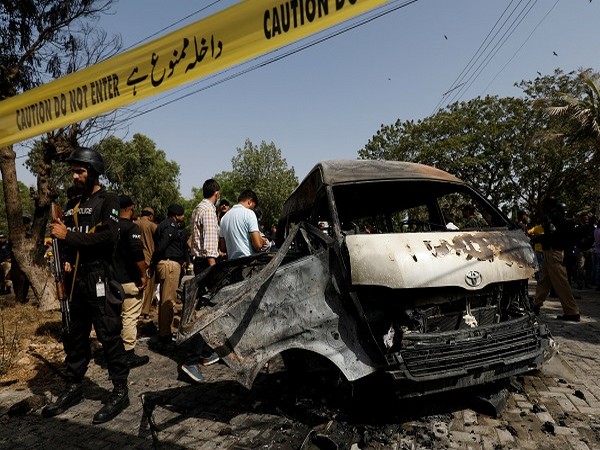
<point x="87" y="156"/>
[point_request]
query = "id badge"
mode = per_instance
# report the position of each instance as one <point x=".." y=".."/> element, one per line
<point x="100" y="288"/>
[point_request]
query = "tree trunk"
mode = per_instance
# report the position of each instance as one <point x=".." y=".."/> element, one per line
<point x="28" y="252"/>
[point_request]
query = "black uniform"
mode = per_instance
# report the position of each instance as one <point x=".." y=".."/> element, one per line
<point x="170" y="252"/>
<point x="558" y="234"/>
<point x="129" y="252"/>
<point x="90" y="243"/>
<point x="170" y="242"/>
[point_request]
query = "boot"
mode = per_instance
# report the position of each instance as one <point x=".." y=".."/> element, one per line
<point x="117" y="402"/>
<point x="72" y="395"/>
<point x="134" y="360"/>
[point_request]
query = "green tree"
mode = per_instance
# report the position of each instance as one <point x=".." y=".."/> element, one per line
<point x="138" y="169"/>
<point x="475" y="140"/>
<point x="563" y="166"/>
<point x="26" y="201"/>
<point x="582" y="114"/>
<point x="262" y="169"/>
<point x="39" y="40"/>
<point x="190" y="204"/>
<point x="502" y="146"/>
<point x="54" y="171"/>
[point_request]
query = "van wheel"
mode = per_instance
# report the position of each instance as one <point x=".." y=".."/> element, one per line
<point x="303" y="362"/>
<point x="311" y="371"/>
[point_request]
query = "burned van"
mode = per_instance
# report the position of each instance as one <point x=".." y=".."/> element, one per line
<point x="389" y="268"/>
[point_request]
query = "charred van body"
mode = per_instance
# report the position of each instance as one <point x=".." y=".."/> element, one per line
<point x="379" y="270"/>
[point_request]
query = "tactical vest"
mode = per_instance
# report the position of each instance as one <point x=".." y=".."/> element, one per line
<point x="89" y="216"/>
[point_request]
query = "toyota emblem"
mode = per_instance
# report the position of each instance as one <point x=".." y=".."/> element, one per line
<point x="473" y="278"/>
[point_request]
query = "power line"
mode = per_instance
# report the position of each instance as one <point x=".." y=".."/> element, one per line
<point x="507" y="34"/>
<point x="259" y="63"/>
<point x="259" y="60"/>
<point x="522" y="45"/>
<point x="473" y="59"/>
<point x="492" y="52"/>
<point x="459" y="77"/>
<point x="172" y="25"/>
<point x="496" y="38"/>
<point x="177" y="22"/>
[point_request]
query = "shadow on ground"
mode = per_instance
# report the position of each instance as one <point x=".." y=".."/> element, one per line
<point x="360" y="413"/>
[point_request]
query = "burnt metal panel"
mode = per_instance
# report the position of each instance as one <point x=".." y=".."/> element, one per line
<point x="299" y="305"/>
<point x="427" y="260"/>
<point x="356" y="171"/>
<point x="442" y="355"/>
<point x="413" y="381"/>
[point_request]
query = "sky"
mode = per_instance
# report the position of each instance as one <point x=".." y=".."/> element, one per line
<point x="328" y="100"/>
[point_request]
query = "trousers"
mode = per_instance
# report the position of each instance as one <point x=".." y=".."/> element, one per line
<point x="89" y="307"/>
<point x="167" y="274"/>
<point x="131" y="310"/>
<point x="554" y="275"/>
<point x="148" y="295"/>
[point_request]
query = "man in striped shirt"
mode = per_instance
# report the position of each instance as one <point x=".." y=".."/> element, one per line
<point x="204" y="245"/>
<point x="205" y="228"/>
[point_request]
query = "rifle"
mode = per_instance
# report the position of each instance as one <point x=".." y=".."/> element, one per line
<point x="58" y="271"/>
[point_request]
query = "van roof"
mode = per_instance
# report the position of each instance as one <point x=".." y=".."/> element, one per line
<point x="355" y="170"/>
<point x="341" y="171"/>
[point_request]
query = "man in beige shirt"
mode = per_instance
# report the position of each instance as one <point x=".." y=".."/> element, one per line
<point x="147" y="227"/>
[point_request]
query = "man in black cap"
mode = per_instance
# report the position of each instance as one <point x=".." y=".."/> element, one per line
<point x="557" y="237"/>
<point x="130" y="271"/>
<point x="88" y="232"/>
<point x="169" y="255"/>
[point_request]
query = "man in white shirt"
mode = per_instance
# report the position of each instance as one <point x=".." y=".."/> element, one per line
<point x="239" y="234"/>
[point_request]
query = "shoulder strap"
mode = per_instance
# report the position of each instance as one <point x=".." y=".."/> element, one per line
<point x="76" y="220"/>
<point x="75" y="209"/>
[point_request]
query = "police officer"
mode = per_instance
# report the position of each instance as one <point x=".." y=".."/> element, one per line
<point x="557" y="238"/>
<point x="130" y="271"/>
<point x="89" y="232"/>
<point x="169" y="255"/>
<point x="147" y="229"/>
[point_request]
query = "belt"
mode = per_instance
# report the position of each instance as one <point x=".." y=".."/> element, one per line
<point x="174" y="260"/>
<point x="90" y="266"/>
